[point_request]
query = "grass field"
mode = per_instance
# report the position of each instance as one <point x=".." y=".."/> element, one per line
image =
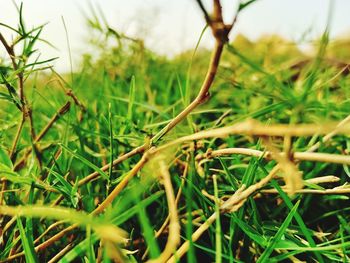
<point x="137" y="157"/>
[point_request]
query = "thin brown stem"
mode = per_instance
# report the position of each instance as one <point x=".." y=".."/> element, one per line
<point x="65" y="108"/>
<point x="120" y="159"/>
<point x="177" y="199"/>
<point x="302" y="156"/>
<point x="45" y="244"/>
<point x="328" y="136"/>
<point x="123" y="183"/>
<point x="61" y="253"/>
<point x="332" y="191"/>
<point x="10" y="51"/>
<point x="174" y="225"/>
<point x="220" y="32"/>
<point x="202" y="96"/>
<point x="255" y="128"/>
<point x="204" y="11"/>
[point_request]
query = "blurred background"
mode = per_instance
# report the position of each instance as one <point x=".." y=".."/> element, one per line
<point x="171" y="27"/>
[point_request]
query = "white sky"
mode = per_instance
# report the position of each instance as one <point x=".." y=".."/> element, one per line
<point x="170" y="26"/>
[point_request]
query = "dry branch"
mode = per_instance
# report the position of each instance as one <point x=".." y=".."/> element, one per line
<point x="174" y="225"/>
<point x="301" y="156"/>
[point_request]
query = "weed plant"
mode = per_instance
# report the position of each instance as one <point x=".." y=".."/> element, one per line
<point x="104" y="164"/>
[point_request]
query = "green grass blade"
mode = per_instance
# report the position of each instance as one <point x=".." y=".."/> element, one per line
<point x="28" y="246"/>
<point x="147" y="230"/>
<point x="249" y="231"/>
<point x="14" y="177"/>
<point x="5" y="159"/>
<point x="218" y="247"/>
<point x="85" y="161"/>
<point x="132" y="93"/>
<point x="189" y="205"/>
<point x="282" y="229"/>
<point x="229" y="176"/>
<point x="298" y="219"/>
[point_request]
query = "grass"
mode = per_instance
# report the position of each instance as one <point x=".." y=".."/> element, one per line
<point x="101" y="165"/>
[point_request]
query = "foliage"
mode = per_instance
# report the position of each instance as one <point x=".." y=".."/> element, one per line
<point x="120" y="99"/>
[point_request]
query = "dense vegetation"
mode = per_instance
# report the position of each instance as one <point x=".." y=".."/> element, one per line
<point x="121" y="98"/>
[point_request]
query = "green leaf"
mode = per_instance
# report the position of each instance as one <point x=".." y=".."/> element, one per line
<point x="244" y="4"/>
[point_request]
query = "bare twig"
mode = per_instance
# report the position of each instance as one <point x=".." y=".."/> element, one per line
<point x="48" y="230"/>
<point x="197" y="234"/>
<point x="204" y="11"/>
<point x="174" y="226"/>
<point x="255" y="128"/>
<point x="120" y="159"/>
<point x="9" y="51"/>
<point x="333" y="191"/>
<point x="177" y="199"/>
<point x="323" y="179"/>
<point x="220" y="31"/>
<point x="45" y="244"/>
<point x="302" y="156"/>
<point x="123" y="183"/>
<point x="61" y="253"/>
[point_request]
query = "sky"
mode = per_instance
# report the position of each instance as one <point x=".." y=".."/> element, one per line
<point x="171" y="26"/>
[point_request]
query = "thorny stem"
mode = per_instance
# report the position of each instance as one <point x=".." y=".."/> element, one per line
<point x="10" y="51"/>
